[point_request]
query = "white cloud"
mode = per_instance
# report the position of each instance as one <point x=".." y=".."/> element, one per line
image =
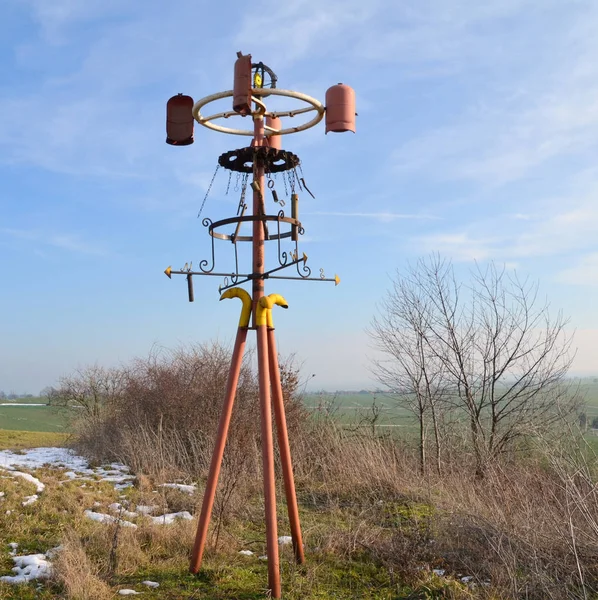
<point x="384" y="217"/>
<point x="71" y="242"/>
<point x="584" y="272"/>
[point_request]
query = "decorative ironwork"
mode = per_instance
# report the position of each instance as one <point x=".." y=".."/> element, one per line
<point x="204" y="263"/>
<point x="275" y="161"/>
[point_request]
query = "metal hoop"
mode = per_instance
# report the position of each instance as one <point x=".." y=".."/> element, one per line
<point x="259" y="92"/>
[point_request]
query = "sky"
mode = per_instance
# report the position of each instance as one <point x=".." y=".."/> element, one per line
<point x="477" y="138"/>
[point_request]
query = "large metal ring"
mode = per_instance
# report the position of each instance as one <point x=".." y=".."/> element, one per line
<point x="258" y="93"/>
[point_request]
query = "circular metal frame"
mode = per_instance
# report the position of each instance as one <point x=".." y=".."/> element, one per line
<point x="251" y="219"/>
<point x="258" y="93"/>
<point x="237" y="160"/>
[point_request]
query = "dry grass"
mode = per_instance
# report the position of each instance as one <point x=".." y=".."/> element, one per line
<point x="76" y="572"/>
<point x="528" y="530"/>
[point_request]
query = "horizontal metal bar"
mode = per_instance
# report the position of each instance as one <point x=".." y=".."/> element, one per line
<point x="304" y="278"/>
<point x="213" y="274"/>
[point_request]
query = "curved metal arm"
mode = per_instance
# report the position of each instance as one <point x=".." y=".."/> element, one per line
<point x="264" y="308"/>
<point x="245" y="298"/>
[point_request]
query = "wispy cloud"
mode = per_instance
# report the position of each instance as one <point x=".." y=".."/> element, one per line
<point x="70" y="242"/>
<point x="583" y="272"/>
<point x="543" y="107"/>
<point x="384" y="217"/>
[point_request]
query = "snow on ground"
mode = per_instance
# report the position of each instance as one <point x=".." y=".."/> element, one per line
<point x="171" y="518"/>
<point x="122" y="511"/>
<point x="34" y="458"/>
<point x="31" y="479"/>
<point x="28" y="567"/>
<point x="151" y="584"/>
<point x="30" y="500"/>
<point x="179" y="486"/>
<point x="127" y="592"/>
<point x="103" y="518"/>
<point x="146" y="510"/>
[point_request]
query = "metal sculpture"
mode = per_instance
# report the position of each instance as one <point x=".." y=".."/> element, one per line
<point x="262" y="160"/>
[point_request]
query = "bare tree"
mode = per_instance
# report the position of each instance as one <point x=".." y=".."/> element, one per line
<point x="487" y="352"/>
<point x="410" y="371"/>
<point x="88" y="391"/>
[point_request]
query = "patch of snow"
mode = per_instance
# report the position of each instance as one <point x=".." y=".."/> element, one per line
<point x="439" y="572"/>
<point x="31" y="566"/>
<point x="246" y="552"/>
<point x="103" y="518"/>
<point x="1" y="494"/>
<point x="467" y="579"/>
<point x="63" y="458"/>
<point x="180" y="486"/>
<point x="116" y="507"/>
<point x="283" y="540"/>
<point x="35" y="458"/>
<point x="13" y="546"/>
<point x="146" y="510"/>
<point x="126" y="592"/>
<point x="171" y="517"/>
<point x="264" y="557"/>
<point x="8" y="512"/>
<point x="151" y="584"/>
<point x="31" y="479"/>
<point x="30" y="500"/>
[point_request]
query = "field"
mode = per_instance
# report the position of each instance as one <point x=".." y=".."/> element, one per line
<point x="31" y="418"/>
<point x="358" y="409"/>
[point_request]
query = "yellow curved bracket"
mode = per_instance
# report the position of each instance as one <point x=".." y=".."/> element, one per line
<point x="245" y="298"/>
<point x="264" y="309"/>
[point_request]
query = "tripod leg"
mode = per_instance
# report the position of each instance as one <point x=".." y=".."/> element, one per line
<point x="268" y="462"/>
<point x="210" y="491"/>
<point x="285" y="451"/>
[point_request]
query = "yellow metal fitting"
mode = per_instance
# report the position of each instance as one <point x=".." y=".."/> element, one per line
<point x="245" y="298"/>
<point x="264" y="309"/>
<point x="168" y="272"/>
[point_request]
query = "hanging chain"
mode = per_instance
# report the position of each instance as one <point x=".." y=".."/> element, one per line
<point x="230" y="174"/>
<point x="208" y="192"/>
<point x="237" y="182"/>
<point x="284" y="179"/>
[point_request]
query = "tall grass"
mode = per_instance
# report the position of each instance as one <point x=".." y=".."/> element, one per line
<point x="529" y="529"/>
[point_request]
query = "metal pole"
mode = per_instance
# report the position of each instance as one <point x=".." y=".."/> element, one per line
<point x="263" y="371"/>
<point x="285" y="450"/>
<point x="212" y="483"/>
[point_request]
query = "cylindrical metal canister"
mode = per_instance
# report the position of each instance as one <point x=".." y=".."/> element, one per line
<point x="242" y="85"/>
<point x="179" y="120"/>
<point x="340" y="108"/>
<point x="274" y="141"/>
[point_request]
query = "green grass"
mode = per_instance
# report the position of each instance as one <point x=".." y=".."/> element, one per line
<point x="18" y="440"/>
<point x="32" y="418"/>
<point x="332" y="571"/>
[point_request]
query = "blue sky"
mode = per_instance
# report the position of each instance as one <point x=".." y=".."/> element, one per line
<point x="477" y="138"/>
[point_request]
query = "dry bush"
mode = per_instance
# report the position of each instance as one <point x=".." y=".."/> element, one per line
<point x="162" y="414"/>
<point x="75" y="572"/>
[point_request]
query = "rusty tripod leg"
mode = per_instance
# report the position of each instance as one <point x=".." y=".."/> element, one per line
<point x="284" y="448"/>
<point x="268" y="463"/>
<point x="210" y="492"/>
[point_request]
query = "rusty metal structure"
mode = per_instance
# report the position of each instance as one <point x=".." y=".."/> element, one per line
<point x="257" y="168"/>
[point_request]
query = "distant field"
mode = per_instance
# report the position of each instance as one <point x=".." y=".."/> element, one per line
<point x="358" y="408"/>
<point x="31" y="418"/>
